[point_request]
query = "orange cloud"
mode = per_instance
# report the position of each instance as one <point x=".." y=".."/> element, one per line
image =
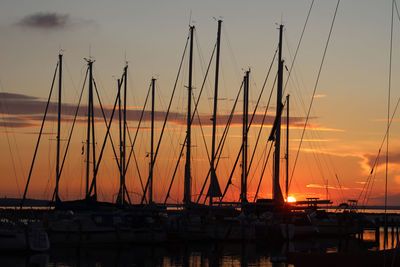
<point x="320" y="96"/>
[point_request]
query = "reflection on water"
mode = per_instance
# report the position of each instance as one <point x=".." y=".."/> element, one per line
<point x="171" y="254"/>
<point x="195" y="253"/>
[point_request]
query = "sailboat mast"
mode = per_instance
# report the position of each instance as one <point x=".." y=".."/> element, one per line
<point x="58" y="125"/>
<point x="244" y="138"/>
<point x="89" y="111"/>
<point x="122" y="139"/>
<point x="123" y="166"/>
<point x="119" y="197"/>
<point x="153" y="87"/>
<point x="188" y="179"/>
<point x="277" y="193"/>
<point x="214" y="181"/>
<point x="287" y="148"/>
<point x="93" y="145"/>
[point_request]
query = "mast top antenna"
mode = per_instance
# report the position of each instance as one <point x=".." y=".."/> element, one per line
<point x="125" y="59"/>
<point x="89" y="60"/>
<point x="219" y="18"/>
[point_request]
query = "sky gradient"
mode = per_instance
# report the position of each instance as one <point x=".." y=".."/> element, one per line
<point x="348" y="117"/>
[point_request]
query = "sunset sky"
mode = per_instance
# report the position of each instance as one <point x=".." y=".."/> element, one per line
<point x="348" y="116"/>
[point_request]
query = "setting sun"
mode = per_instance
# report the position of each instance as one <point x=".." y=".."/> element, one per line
<point x="291" y="199"/>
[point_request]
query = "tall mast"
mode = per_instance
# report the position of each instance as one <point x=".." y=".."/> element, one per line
<point x="214" y="189"/>
<point x="58" y="125"/>
<point x="93" y="143"/>
<point x="287" y="148"/>
<point x="244" y="138"/>
<point x="277" y="193"/>
<point x="123" y="166"/>
<point x="89" y="111"/>
<point x="188" y="179"/>
<point x="119" y="197"/>
<point x="122" y="140"/>
<point x="153" y="87"/>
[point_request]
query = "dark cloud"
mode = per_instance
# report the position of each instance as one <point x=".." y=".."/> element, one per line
<point x="11" y="96"/>
<point x="16" y="123"/>
<point x="394" y="158"/>
<point x="52" y="21"/>
<point x="30" y="109"/>
<point x="45" y="20"/>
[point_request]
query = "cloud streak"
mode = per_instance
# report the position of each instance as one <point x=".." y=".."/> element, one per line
<point x="329" y="187"/>
<point x="45" y="20"/>
<point x="320" y="96"/>
<point x="394" y="158"/>
<point x="50" y="21"/>
<point x="30" y="109"/>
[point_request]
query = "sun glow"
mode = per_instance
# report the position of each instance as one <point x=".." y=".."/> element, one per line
<point x="291" y="199"/>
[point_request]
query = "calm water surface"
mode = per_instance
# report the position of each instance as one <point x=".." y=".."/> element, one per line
<point x="193" y="253"/>
<point x="172" y="254"/>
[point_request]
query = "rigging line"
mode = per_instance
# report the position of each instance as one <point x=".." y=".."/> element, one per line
<point x="65" y="63"/>
<point x="315" y="89"/>
<point x="263" y="171"/>
<point x="388" y="124"/>
<point x="298" y="46"/>
<point x="127" y="194"/>
<point x="222" y="141"/>
<point x="202" y="132"/>
<point x="140" y="177"/>
<point x="370" y="184"/>
<point x="368" y="190"/>
<point x="260" y="159"/>
<point x="374" y="165"/>
<point x="366" y="198"/>
<point x="340" y="187"/>
<point x="262" y="90"/>
<point x="40" y="135"/>
<point x="132" y="151"/>
<point x="226" y="40"/>
<point x="364" y="190"/>
<point x="137" y="129"/>
<point x="71" y="131"/>
<point x="229" y="182"/>
<point x="262" y="124"/>
<point x="132" y="143"/>
<point x="200" y="54"/>
<point x="108" y="126"/>
<point x="397" y="11"/>
<point x="251" y="121"/>
<point x="219" y="153"/>
<point x="191" y="120"/>
<point x="166" y="115"/>
<point x="5" y="111"/>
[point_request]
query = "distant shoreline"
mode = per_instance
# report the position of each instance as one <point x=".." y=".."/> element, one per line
<point x="16" y="202"/>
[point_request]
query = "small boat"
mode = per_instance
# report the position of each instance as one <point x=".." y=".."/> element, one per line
<point x="31" y="238"/>
<point x="38" y="240"/>
<point x="12" y="239"/>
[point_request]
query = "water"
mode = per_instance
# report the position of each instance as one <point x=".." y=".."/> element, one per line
<point x="171" y="254"/>
<point x="197" y="253"/>
<point x="202" y="254"/>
